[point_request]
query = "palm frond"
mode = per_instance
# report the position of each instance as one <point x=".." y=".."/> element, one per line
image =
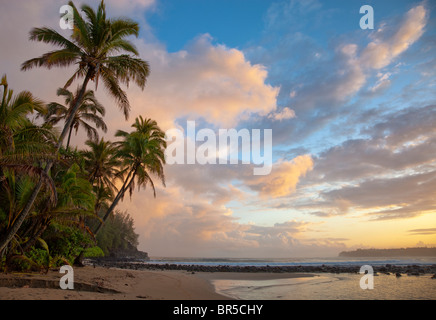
<point x="112" y="84"/>
<point x="127" y="68"/>
<point x="57" y="58"/>
<point x="51" y="36"/>
<point x="35" y="172"/>
<point x="81" y="34"/>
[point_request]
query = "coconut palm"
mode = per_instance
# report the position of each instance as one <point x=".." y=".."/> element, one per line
<point x="22" y="146"/>
<point x="94" y="47"/>
<point x="22" y="143"/>
<point x="142" y="153"/>
<point x="13" y="114"/>
<point x="90" y="110"/>
<point x="76" y="200"/>
<point x="102" y="162"/>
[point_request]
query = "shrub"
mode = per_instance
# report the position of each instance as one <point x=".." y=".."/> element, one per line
<point x="93" y="252"/>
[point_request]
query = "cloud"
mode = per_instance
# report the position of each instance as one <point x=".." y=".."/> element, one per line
<point x="382" y="51"/>
<point x="321" y="82"/>
<point x="386" y="176"/>
<point x="285" y="114"/>
<point x="193" y="215"/>
<point x="131" y="5"/>
<point x="406" y="128"/>
<point x="390" y="198"/>
<point x="224" y="183"/>
<point x="206" y="81"/>
<point x="352" y="69"/>
<point x="193" y="227"/>
<point x="382" y="82"/>
<point x="210" y="181"/>
<point x="283" y="179"/>
<point x="427" y="231"/>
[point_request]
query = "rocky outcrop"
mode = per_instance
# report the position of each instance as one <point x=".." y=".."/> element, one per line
<point x="129" y="253"/>
<point x="132" y="254"/>
<point x="386" y="269"/>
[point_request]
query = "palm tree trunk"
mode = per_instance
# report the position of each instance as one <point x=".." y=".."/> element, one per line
<point x="69" y="137"/>
<point x="118" y="198"/>
<point x="23" y="215"/>
<point x="73" y="111"/>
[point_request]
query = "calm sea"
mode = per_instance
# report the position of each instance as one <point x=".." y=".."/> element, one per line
<point x="322" y="286"/>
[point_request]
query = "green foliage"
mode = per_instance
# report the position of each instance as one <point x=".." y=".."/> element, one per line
<point x="88" y="112"/>
<point x="66" y="241"/>
<point x="51" y="226"/>
<point x="23" y="263"/>
<point x="94" y="252"/>
<point x="117" y="233"/>
<point x="80" y="184"/>
<point x="40" y="257"/>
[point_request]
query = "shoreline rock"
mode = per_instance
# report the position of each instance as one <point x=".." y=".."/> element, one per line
<point x="135" y="264"/>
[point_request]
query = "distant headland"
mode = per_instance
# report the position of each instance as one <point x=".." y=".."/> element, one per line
<point x="402" y="252"/>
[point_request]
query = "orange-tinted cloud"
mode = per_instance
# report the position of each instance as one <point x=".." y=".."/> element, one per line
<point x="203" y="81"/>
<point x="283" y="179"/>
<point x="382" y="51"/>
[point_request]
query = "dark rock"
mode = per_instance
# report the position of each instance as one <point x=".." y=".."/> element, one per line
<point x="127" y="263"/>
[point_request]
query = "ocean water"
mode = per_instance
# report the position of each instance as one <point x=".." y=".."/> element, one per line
<point x="330" y="287"/>
<point x="328" y="261"/>
<point x="322" y="286"/>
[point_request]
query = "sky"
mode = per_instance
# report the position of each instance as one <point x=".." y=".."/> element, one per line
<point x="352" y="113"/>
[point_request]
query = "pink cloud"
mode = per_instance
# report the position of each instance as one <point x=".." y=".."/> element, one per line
<point x="283" y="179"/>
<point x="381" y="52"/>
<point x="204" y="80"/>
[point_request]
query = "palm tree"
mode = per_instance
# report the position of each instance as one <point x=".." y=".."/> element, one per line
<point x="22" y="145"/>
<point x="102" y="163"/>
<point x="88" y="111"/>
<point x="76" y="200"/>
<point x="13" y="114"/>
<point x="94" y="47"/>
<point x="142" y="153"/>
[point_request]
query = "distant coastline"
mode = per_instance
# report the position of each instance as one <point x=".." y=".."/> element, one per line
<point x="401" y="252"/>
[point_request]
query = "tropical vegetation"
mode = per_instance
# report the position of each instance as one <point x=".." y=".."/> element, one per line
<point x="58" y="202"/>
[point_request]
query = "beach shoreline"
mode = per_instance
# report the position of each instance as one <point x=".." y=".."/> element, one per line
<point x="104" y="283"/>
<point x="99" y="283"/>
<point x="335" y="268"/>
<point x="129" y="280"/>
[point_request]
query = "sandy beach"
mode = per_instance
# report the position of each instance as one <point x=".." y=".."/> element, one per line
<point x="107" y="284"/>
<point x="117" y="284"/>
